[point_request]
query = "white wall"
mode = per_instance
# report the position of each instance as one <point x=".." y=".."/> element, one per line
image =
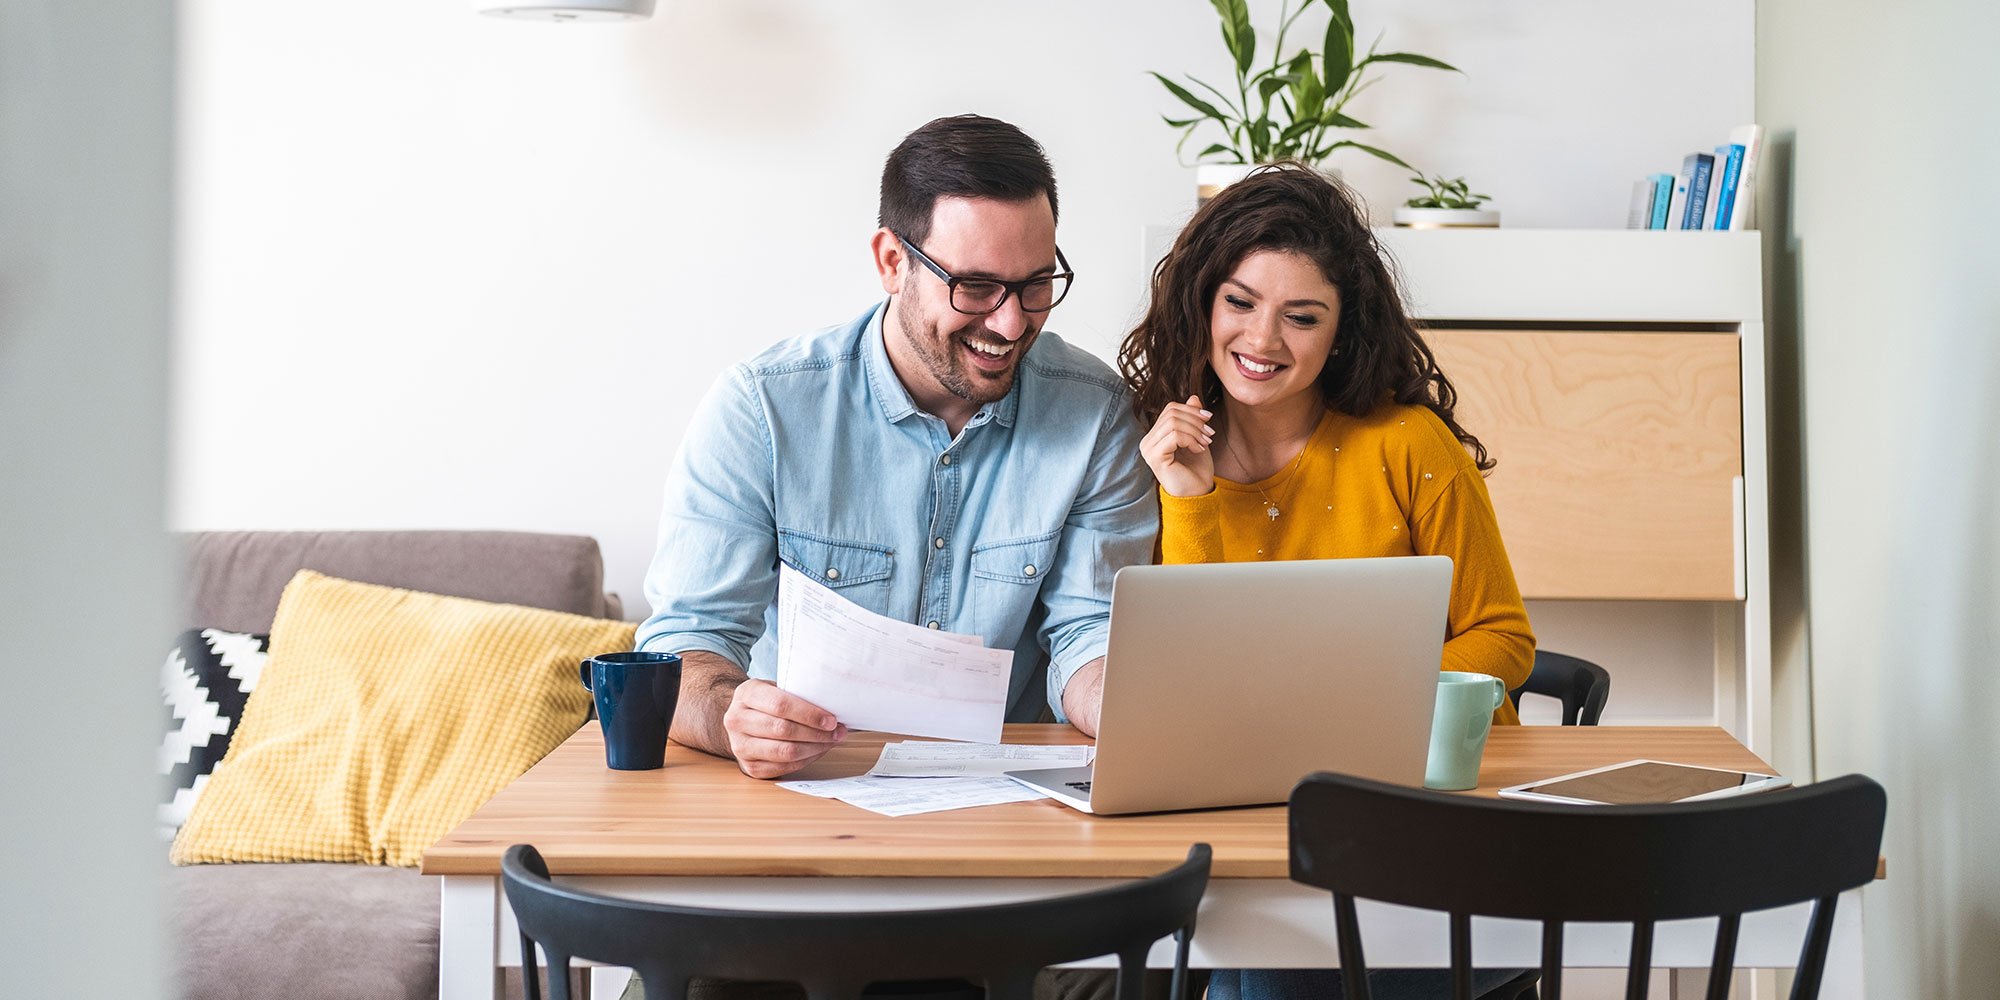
<point x="444" y="271"/>
<point x="1888" y="319"/>
<point x="85" y="569"/>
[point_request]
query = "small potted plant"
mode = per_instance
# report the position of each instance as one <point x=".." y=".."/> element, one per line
<point x="1292" y="109"/>
<point x="1446" y="204"/>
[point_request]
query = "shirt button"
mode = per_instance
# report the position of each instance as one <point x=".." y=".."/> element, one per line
<point x="933" y="625"/>
<point x="832" y="574"/>
<point x="944" y="459"/>
<point x="937" y="543"/>
<point x="1028" y="571"/>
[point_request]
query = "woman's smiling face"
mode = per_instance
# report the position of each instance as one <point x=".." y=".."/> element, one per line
<point x="1271" y="327"/>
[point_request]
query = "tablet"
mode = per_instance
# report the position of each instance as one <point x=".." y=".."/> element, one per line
<point x="1644" y="782"/>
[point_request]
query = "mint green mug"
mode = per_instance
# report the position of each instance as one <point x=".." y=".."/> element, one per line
<point x="1459" y="724"/>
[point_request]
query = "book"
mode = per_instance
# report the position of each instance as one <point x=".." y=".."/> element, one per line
<point x="1732" y="173"/>
<point x="1696" y="169"/>
<point x="1751" y="138"/>
<point x="1639" y="215"/>
<point x="1677" y="208"/>
<point x="1714" y="202"/>
<point x="1663" y="194"/>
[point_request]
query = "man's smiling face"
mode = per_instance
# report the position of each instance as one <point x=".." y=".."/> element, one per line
<point x="972" y="358"/>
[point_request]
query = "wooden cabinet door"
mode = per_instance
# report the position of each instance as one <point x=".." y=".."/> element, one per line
<point x="1620" y="456"/>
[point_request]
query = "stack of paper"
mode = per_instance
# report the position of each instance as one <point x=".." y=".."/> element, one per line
<point x="923" y="759"/>
<point x="920" y="777"/>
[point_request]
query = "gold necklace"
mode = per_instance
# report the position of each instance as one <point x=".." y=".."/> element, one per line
<point x="1270" y="509"/>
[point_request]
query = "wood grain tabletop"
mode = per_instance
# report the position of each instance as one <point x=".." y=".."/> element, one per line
<point x="699" y="815"/>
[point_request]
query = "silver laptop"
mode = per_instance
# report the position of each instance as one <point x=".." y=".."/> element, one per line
<point x="1225" y="683"/>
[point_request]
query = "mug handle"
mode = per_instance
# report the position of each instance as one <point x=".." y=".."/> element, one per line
<point x="583" y="669"/>
<point x="1499" y="693"/>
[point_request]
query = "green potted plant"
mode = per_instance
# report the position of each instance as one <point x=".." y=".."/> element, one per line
<point x="1294" y="108"/>
<point x="1446" y="204"/>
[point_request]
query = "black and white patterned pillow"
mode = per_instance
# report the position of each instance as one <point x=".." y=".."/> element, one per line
<point x="207" y="678"/>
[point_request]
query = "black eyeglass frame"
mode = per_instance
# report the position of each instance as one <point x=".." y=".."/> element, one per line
<point x="1007" y="288"/>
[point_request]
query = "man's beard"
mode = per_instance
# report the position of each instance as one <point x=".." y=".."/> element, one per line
<point x="943" y="356"/>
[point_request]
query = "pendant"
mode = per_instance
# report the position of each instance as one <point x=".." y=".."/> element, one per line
<point x="1271" y="510"/>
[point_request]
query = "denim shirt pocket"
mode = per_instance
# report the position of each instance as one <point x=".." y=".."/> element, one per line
<point x="1016" y="560"/>
<point x="833" y="562"/>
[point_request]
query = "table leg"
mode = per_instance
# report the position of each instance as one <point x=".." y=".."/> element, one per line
<point x="469" y="938"/>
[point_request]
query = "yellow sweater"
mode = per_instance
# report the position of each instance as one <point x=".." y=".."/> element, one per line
<point x="1392" y="483"/>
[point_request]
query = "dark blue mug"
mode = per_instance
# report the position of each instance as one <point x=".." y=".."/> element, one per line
<point x="635" y="693"/>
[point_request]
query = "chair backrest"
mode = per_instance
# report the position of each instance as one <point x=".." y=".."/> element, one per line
<point x="1581" y="686"/>
<point x="1636" y="864"/>
<point x="836" y="955"/>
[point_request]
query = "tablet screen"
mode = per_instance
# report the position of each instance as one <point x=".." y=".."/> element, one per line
<point x="1644" y="782"/>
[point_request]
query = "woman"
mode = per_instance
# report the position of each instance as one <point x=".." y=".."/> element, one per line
<point x="1296" y="414"/>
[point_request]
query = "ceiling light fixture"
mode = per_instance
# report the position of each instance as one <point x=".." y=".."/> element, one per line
<point x="567" y="10"/>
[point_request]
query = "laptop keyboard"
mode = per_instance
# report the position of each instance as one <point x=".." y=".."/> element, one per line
<point x="1081" y="786"/>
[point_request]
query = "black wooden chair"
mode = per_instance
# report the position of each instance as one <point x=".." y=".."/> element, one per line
<point x="1626" y="864"/>
<point x="835" y="956"/>
<point x="1581" y="686"/>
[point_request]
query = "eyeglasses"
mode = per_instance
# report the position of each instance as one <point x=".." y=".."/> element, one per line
<point x="979" y="296"/>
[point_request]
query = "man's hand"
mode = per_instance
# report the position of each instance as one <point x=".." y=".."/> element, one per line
<point x="769" y="733"/>
<point x="773" y="733"/>
<point x="1083" y="697"/>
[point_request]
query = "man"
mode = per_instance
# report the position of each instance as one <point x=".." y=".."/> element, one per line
<point x="941" y="459"/>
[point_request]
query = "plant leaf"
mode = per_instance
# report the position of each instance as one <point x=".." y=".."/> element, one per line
<point x="1338" y="56"/>
<point x="1246" y="36"/>
<point x="1219" y="148"/>
<point x="1295" y="130"/>
<point x="1179" y="122"/>
<point x="1272" y="85"/>
<point x="1223" y="9"/>
<point x="1239" y="113"/>
<point x="1308" y="94"/>
<point x="1260" y="139"/>
<point x="1312" y="98"/>
<point x="1236" y="31"/>
<point x="1413" y="59"/>
<point x="1339" y="8"/>
<point x="1382" y="153"/>
<point x="1335" y="119"/>
<point x="1207" y="109"/>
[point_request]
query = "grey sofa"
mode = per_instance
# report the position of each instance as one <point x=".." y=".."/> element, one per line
<point x="312" y="931"/>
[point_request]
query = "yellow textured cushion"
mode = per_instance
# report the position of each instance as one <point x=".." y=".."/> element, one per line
<point x="384" y="718"/>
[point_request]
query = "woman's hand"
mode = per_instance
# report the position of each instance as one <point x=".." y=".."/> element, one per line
<point x="1177" y="449"/>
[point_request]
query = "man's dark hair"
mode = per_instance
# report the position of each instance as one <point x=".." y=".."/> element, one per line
<point x="964" y="156"/>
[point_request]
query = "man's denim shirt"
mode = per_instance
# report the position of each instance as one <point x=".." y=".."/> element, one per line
<point x="813" y="454"/>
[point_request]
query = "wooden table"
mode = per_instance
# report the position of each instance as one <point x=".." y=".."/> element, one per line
<point x="699" y="832"/>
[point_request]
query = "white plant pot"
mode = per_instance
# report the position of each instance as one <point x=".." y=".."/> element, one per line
<point x="1211" y="178"/>
<point x="1447" y="218"/>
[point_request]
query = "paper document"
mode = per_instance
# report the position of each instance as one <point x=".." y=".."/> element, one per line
<point x="910" y="796"/>
<point x="914" y="759"/>
<point x="875" y="672"/>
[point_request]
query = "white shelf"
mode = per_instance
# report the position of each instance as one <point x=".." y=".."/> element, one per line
<point x="1579" y="275"/>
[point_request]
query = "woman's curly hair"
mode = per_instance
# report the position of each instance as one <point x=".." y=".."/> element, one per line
<point x="1291" y="208"/>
